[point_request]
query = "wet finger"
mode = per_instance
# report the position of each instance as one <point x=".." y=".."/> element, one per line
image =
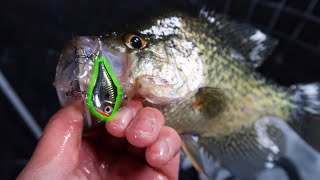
<point x="171" y="169"/>
<point x="145" y="127"/>
<point x="60" y="142"/>
<point x="164" y="148"/>
<point x="117" y="127"/>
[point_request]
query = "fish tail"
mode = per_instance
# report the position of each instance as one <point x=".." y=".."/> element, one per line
<point x="307" y="112"/>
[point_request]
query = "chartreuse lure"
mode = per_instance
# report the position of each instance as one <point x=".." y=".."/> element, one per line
<point x="104" y="92"/>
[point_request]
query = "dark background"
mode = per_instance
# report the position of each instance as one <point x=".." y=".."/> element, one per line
<point x="33" y="33"/>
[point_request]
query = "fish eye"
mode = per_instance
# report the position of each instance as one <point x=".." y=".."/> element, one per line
<point x="108" y="109"/>
<point x="134" y="41"/>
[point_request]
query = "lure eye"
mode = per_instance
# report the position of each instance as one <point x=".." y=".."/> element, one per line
<point x="134" y="41"/>
<point x="108" y="110"/>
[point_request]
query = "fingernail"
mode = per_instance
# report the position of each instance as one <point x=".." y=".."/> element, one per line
<point x="161" y="149"/>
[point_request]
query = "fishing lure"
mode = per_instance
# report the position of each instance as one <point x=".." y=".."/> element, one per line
<point x="104" y="91"/>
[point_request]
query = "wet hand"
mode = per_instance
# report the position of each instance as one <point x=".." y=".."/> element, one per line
<point x="135" y="145"/>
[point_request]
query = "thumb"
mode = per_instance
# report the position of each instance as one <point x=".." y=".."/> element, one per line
<point x="58" y="149"/>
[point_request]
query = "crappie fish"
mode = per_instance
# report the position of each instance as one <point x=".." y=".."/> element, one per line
<point x="199" y="72"/>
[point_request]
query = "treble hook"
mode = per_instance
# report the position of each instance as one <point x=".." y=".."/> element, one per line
<point x="83" y="55"/>
<point x="75" y="90"/>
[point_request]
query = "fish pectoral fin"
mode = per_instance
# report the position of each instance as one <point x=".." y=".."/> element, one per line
<point x="201" y="160"/>
<point x="206" y="97"/>
<point x="246" y="43"/>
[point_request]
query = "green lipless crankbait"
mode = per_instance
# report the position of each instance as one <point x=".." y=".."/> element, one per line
<point x="104" y="91"/>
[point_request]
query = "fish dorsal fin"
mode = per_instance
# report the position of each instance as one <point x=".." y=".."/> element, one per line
<point x="192" y="149"/>
<point x="246" y="44"/>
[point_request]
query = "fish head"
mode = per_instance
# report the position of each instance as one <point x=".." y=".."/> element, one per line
<point x="162" y="64"/>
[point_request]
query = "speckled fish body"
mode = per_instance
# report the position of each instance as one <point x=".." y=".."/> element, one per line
<point x="199" y="71"/>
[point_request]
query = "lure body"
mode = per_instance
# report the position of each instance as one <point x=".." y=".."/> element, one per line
<point x="104" y="91"/>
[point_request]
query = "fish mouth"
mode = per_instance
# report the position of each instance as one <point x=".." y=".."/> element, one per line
<point x="145" y="80"/>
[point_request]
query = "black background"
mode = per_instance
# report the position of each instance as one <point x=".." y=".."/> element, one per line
<point x="33" y="33"/>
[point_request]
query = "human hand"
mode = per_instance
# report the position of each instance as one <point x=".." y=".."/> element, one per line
<point x="136" y="145"/>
